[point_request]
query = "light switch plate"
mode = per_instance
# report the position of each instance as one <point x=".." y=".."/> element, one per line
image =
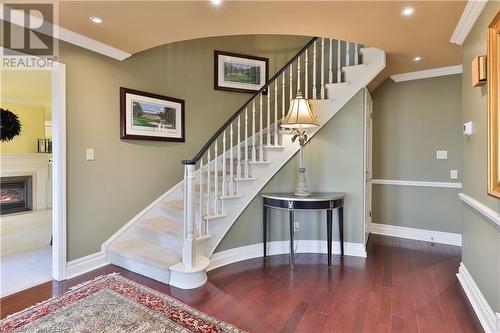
<point x="89" y="155"/>
<point x="441" y="155"/>
<point x="453" y="174"/>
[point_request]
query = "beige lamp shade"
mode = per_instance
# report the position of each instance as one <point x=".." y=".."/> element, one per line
<point x="299" y="115"/>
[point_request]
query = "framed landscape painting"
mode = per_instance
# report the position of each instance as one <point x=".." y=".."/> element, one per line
<point x="239" y="72"/>
<point x="145" y="116"/>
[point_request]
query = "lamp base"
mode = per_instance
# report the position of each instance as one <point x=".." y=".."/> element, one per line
<point x="302" y="189"/>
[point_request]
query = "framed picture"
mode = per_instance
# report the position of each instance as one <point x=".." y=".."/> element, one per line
<point x="145" y="116"/>
<point x="239" y="72"/>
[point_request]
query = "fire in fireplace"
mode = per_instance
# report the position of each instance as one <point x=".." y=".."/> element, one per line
<point x="15" y="194"/>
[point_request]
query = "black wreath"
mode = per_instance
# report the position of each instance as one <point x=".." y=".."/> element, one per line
<point x="10" y="126"/>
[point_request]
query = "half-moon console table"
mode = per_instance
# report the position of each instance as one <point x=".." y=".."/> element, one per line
<point x="317" y="201"/>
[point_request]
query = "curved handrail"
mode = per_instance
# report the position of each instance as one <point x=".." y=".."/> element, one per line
<point x="198" y="156"/>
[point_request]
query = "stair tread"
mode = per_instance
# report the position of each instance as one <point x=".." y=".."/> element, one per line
<point x="144" y="251"/>
<point x="163" y="225"/>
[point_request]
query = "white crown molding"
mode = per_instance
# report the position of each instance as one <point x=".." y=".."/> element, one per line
<point x="481" y="208"/>
<point x="85" y="264"/>
<point x="469" y="16"/>
<point x="427" y="73"/>
<point x="230" y="256"/>
<point x="73" y="37"/>
<point x="487" y="317"/>
<point x="416" y="234"/>
<point x="416" y="183"/>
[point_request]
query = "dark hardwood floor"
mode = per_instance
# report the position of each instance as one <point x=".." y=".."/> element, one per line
<point x="403" y="286"/>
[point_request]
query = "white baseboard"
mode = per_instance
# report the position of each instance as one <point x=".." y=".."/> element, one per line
<point x="281" y="247"/>
<point x="85" y="264"/>
<point x="417" y="234"/>
<point x="489" y="320"/>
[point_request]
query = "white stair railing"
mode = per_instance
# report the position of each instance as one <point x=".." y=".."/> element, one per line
<point x="217" y="180"/>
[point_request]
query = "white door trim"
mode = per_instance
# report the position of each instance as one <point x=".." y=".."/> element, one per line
<point x="59" y="247"/>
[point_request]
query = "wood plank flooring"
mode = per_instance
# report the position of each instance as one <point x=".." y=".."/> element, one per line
<point x="403" y="286"/>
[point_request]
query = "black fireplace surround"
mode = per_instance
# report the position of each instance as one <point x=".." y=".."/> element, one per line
<point x="16" y="194"/>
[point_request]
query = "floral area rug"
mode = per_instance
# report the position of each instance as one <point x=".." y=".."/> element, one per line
<point x="113" y="303"/>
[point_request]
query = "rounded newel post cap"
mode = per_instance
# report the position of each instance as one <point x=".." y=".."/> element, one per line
<point x="189" y="162"/>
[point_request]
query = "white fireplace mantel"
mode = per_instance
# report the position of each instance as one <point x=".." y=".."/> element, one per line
<point x="35" y="165"/>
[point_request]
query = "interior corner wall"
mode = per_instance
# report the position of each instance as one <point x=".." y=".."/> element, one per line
<point x="128" y="175"/>
<point x="411" y="121"/>
<point x="334" y="163"/>
<point x="481" y="237"/>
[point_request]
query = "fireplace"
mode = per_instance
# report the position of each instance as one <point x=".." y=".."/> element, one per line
<point x="16" y="194"/>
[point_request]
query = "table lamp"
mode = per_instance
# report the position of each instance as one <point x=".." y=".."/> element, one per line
<point x="300" y="118"/>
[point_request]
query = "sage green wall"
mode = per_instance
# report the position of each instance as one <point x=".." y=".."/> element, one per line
<point x="411" y="120"/>
<point x="481" y="237"/>
<point x="126" y="176"/>
<point x="334" y="162"/>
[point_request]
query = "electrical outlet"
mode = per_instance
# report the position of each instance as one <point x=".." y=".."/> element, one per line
<point x="296" y="226"/>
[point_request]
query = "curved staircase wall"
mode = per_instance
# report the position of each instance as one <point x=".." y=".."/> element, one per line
<point x="334" y="162"/>
<point x="128" y="175"/>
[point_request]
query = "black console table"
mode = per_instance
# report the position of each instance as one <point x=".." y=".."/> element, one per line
<point x="317" y="201"/>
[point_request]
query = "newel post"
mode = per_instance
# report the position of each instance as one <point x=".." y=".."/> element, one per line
<point x="189" y="245"/>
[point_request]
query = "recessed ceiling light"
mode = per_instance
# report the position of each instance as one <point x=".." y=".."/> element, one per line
<point x="95" y="19"/>
<point x="216" y="2"/>
<point x="417" y="58"/>
<point x="408" y="11"/>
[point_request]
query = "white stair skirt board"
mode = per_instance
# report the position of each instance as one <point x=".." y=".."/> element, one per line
<point x="488" y="318"/>
<point x="417" y="234"/>
<point x="170" y="206"/>
<point x="85" y="264"/>
<point x="230" y="256"/>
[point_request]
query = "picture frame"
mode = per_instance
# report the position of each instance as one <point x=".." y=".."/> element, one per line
<point x="147" y="116"/>
<point x="493" y="75"/>
<point x="239" y="72"/>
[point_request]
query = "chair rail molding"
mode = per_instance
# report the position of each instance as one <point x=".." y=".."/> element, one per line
<point x="416" y="183"/>
<point x="428" y="73"/>
<point x="241" y="253"/>
<point x="416" y="234"/>
<point x="481" y="208"/>
<point x="490" y="321"/>
<point x="471" y="12"/>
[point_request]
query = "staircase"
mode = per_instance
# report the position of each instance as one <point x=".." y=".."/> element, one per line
<point x="173" y="238"/>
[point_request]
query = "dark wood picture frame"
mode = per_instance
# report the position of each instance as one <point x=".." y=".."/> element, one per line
<point x="123" y="115"/>
<point x="217" y="53"/>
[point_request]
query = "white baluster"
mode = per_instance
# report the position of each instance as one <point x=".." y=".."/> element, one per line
<point x="261" y="132"/>
<point x="254" y="150"/>
<point x="306" y="83"/>
<point x="208" y="182"/>
<point x="283" y="96"/>
<point x="330" y="61"/>
<point x="322" y="91"/>
<point x="298" y="74"/>
<point x="347" y="53"/>
<point x="246" y="143"/>
<point x="202" y="226"/>
<point x="276" y="112"/>
<point x="224" y="162"/>
<point x="216" y="179"/>
<point x="231" y="161"/>
<point x="269" y="90"/>
<point x="339" y="69"/>
<point x="291" y="80"/>
<point x="356" y="53"/>
<point x="315" y="93"/>
<point x="238" y="151"/>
